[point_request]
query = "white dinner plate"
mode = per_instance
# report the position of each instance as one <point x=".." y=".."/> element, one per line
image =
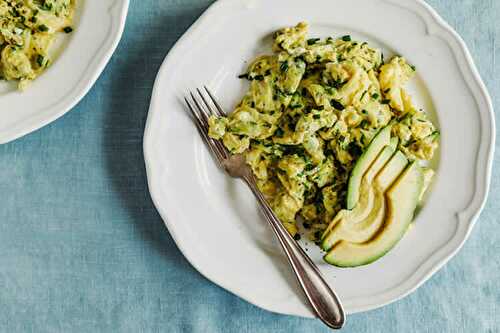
<point x="80" y="57"/>
<point x="214" y="219"/>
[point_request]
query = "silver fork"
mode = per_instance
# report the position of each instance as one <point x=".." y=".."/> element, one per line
<point x="323" y="300"/>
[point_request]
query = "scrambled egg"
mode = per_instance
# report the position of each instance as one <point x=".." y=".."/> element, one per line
<point x="27" y="30"/>
<point x="312" y="108"/>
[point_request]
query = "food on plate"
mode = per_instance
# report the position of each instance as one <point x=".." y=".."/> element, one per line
<point x="28" y="29"/>
<point x="334" y="141"/>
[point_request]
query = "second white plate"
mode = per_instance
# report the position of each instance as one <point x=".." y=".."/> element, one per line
<point x="81" y="58"/>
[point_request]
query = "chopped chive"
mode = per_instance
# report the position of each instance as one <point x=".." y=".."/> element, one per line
<point x="39" y="60"/>
<point x="312" y="41"/>
<point x="346" y="38"/>
<point x="337" y="83"/>
<point x="363" y="95"/>
<point x="337" y="105"/>
<point x="284" y="66"/>
<point x="43" y="28"/>
<point x="436" y="134"/>
<point x="46" y="6"/>
<point x="68" y="30"/>
<point x="354" y="149"/>
<point x="363" y="123"/>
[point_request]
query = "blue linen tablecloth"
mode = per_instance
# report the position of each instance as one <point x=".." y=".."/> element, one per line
<point x="82" y="248"/>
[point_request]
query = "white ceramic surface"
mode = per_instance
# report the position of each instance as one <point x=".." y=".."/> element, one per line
<point x="214" y="219"/>
<point x="80" y="58"/>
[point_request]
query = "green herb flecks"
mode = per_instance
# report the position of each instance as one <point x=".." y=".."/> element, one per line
<point x="39" y="60"/>
<point x="337" y="105"/>
<point x="43" y="28"/>
<point x="284" y="66"/>
<point x="364" y="123"/>
<point x="312" y="41"/>
<point x="354" y="149"/>
<point x="336" y="83"/>
<point x="363" y="95"/>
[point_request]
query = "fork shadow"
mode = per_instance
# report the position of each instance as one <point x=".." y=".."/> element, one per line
<point x="141" y="55"/>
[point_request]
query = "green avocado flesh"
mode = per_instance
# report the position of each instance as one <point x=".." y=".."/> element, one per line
<point x="362" y="210"/>
<point x="353" y="226"/>
<point x="391" y="171"/>
<point x="401" y="201"/>
<point x="381" y="161"/>
<point x="382" y="139"/>
<point x="347" y="229"/>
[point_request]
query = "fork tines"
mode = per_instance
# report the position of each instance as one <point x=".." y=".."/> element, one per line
<point x="201" y="112"/>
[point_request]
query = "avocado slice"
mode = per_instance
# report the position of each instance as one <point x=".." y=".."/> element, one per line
<point x="354" y="228"/>
<point x="365" y="204"/>
<point x="402" y="200"/>
<point x="350" y="230"/>
<point x="381" y="160"/>
<point x="381" y="140"/>
<point x="391" y="171"/>
<point x="360" y="212"/>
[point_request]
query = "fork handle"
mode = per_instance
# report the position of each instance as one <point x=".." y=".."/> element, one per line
<point x="321" y="297"/>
